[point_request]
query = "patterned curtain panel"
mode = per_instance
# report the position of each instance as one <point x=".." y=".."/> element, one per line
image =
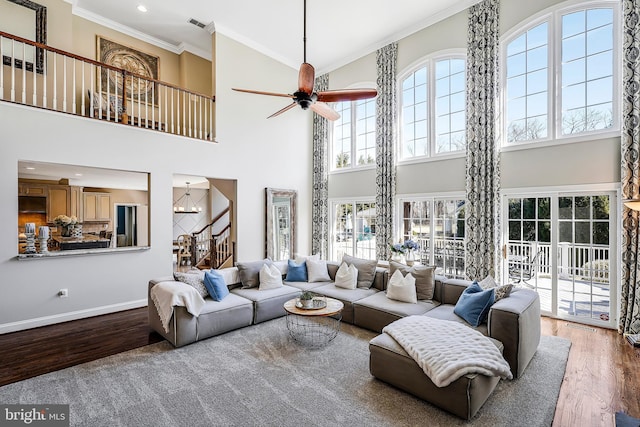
<point x="319" y="209"/>
<point x="386" y="113"/>
<point x="482" y="229"/>
<point x="630" y="150"/>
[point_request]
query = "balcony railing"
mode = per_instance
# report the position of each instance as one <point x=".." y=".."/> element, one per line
<point x="40" y="76"/>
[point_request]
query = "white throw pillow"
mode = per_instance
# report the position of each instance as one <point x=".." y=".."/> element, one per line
<point x="402" y="288"/>
<point x="487" y="283"/>
<point x="299" y="258"/>
<point x="317" y="271"/>
<point x="347" y="276"/>
<point x="270" y="277"/>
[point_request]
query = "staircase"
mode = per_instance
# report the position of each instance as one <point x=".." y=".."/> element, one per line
<point x="210" y="250"/>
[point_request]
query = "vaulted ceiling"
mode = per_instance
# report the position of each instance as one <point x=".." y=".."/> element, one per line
<point x="338" y="31"/>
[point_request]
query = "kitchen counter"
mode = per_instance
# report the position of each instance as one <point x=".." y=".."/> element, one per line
<point x="87" y="241"/>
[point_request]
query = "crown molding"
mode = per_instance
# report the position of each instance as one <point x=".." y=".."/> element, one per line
<point x="182" y="47"/>
<point x="227" y="32"/>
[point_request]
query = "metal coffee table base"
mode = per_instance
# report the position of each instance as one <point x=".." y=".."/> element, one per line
<point x="313" y="331"/>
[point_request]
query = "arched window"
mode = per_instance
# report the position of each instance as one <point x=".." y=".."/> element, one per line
<point x="560" y="75"/>
<point x="432" y="108"/>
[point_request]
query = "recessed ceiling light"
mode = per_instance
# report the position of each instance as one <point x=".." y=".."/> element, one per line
<point x="141" y="8"/>
<point x="78" y="174"/>
<point x="30" y="168"/>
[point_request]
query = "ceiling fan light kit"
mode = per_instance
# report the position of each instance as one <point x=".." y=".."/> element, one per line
<point x="306" y="98"/>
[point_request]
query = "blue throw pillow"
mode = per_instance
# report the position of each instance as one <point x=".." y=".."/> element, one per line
<point x="474" y="304"/>
<point x="215" y="284"/>
<point x="296" y="272"/>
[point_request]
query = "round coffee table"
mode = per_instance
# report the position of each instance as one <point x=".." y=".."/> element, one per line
<point x="314" y="327"/>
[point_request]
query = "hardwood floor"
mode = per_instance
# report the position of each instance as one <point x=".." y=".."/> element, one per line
<point x="602" y="375"/>
<point x="37" y="351"/>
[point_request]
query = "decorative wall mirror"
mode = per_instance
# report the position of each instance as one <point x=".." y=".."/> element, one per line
<point x="281" y="223"/>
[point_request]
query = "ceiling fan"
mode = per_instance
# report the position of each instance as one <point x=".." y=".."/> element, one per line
<point x="306" y="98"/>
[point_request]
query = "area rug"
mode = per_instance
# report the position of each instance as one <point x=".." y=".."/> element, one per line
<point x="258" y="376"/>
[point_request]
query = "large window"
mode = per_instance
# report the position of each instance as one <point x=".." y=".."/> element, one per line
<point x="354" y="229"/>
<point x="432" y="103"/>
<point x="354" y="134"/>
<point x="437" y="225"/>
<point x="560" y="76"/>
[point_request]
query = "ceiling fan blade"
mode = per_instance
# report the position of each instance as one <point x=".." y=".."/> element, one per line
<point x="346" y="95"/>
<point x="325" y="111"/>
<point x="259" y="92"/>
<point x="306" y="78"/>
<point x="287" y="108"/>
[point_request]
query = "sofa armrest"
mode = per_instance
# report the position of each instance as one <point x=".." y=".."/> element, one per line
<point x="515" y="321"/>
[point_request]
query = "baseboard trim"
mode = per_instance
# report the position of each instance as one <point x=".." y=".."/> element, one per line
<point x="72" y="315"/>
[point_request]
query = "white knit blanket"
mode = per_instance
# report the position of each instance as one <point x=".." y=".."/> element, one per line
<point x="169" y="294"/>
<point x="447" y="350"/>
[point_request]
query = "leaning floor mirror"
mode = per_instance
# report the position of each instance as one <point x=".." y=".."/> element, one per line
<point x="280" y="223"/>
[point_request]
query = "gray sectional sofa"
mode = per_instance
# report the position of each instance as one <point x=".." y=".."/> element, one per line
<point x="513" y="325"/>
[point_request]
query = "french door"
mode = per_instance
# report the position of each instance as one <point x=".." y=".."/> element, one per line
<point x="563" y="245"/>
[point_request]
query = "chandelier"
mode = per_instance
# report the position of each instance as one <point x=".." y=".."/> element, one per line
<point x="185" y="205"/>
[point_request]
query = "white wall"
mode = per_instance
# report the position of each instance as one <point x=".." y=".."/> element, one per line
<point x="257" y="152"/>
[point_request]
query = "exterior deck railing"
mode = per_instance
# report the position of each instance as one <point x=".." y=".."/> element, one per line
<point x="41" y="76"/>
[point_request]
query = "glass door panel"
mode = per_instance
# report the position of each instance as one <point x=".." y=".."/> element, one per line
<point x="561" y="245"/>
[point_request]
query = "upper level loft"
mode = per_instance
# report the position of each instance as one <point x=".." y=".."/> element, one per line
<point x="41" y="76"/>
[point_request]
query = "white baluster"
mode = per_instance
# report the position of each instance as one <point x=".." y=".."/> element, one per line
<point x="55" y="81"/>
<point x="13" y="70"/>
<point x="34" y="98"/>
<point x="73" y="100"/>
<point x="45" y="66"/>
<point x="64" y="83"/>
<point x="24" y="73"/>
<point x="83" y="106"/>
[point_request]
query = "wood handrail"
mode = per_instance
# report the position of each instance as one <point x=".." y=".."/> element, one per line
<point x="228" y="227"/>
<point x="213" y="221"/>
<point x="100" y="64"/>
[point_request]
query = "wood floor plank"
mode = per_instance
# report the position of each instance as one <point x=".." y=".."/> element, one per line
<point x="600" y="378"/>
<point x="602" y="375"/>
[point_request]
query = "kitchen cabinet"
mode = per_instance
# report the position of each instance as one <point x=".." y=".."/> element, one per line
<point x="58" y="201"/>
<point x="75" y="201"/>
<point x="26" y="189"/>
<point x="97" y="207"/>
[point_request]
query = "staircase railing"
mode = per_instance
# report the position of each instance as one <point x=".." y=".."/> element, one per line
<point x="212" y="250"/>
<point x="41" y="76"/>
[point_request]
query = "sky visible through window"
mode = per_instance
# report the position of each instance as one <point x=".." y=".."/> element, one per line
<point x="586" y="70"/>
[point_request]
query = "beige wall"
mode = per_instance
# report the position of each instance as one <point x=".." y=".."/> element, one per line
<point x="195" y="73"/>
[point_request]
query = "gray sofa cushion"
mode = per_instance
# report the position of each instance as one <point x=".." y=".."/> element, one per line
<point x="249" y="272"/>
<point x="424" y="275"/>
<point x="268" y="304"/>
<point x="366" y="270"/>
<point x="379" y="301"/>
<point x="306" y="286"/>
<point x="348" y="295"/>
<point x="377" y="311"/>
